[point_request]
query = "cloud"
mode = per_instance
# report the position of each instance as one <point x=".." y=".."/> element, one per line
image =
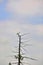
<point x="39" y="29"/>
<point x="8" y="30"/>
<point x="25" y="7"/>
<point x="35" y="29"/>
<point x="12" y="27"/>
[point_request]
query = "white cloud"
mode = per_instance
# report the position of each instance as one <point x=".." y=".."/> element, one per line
<point x="28" y="7"/>
<point x="36" y="29"/>
<point x="39" y="29"/>
<point x="12" y="27"/>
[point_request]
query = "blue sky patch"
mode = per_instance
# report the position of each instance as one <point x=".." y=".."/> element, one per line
<point x="3" y="13"/>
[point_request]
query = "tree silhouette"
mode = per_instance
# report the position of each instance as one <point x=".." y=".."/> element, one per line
<point x="9" y="63"/>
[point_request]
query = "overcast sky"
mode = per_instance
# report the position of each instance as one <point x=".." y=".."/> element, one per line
<point x="21" y="16"/>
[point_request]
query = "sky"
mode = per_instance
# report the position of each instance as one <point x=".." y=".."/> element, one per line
<point x="25" y="16"/>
